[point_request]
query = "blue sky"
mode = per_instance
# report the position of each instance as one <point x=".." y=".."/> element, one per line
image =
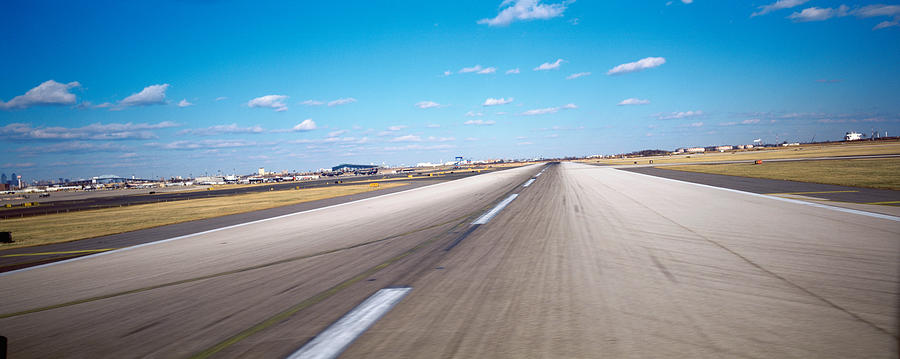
<point x="192" y="87"/>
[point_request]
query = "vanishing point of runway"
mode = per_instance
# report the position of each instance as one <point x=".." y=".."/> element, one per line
<point x="560" y="260"/>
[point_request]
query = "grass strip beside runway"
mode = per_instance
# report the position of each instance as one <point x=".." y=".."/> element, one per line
<point x="65" y="227"/>
<point x="882" y="173"/>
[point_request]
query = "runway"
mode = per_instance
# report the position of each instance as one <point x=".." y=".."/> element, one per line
<point x="585" y="261"/>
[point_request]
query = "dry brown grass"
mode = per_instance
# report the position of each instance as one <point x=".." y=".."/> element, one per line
<point x="825" y="150"/>
<point x="883" y="173"/>
<point x="64" y="227"/>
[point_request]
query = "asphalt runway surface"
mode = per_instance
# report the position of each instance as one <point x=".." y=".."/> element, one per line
<point x="584" y="262"/>
<point x="781" y="187"/>
<point x="123" y="198"/>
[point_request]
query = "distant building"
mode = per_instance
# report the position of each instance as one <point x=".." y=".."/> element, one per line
<point x="4" y="179"/>
<point x="852" y="136"/>
<point x="724" y="148"/>
<point x="261" y="171"/>
<point x="695" y="150"/>
<point x="4" y="187"/>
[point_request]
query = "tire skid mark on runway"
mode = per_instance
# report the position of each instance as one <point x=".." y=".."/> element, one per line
<point x="221" y="274"/>
<point x="763" y="269"/>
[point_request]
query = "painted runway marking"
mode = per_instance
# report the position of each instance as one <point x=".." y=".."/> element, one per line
<point x="885" y="202"/>
<point x="811" y="204"/>
<point x="62" y="252"/>
<point x="336" y="338"/>
<point x="528" y="183"/>
<point x="485" y="218"/>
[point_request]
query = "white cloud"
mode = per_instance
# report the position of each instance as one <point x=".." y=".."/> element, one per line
<point x="687" y="1"/>
<point x="752" y="121"/>
<point x="150" y="95"/>
<point x="220" y="98"/>
<point x="184" y="103"/>
<point x="497" y="101"/>
<point x="475" y="68"/>
<point x="269" y="101"/>
<point x="427" y="104"/>
<point x="487" y="71"/>
<point x="221" y="129"/>
<point x="474" y="114"/>
<point x="306" y="125"/>
<point x="642" y="64"/>
<point x="549" y="66"/>
<point x="336" y="133"/>
<point x="512" y="71"/>
<point x="544" y="111"/>
<point x="96" y="131"/>
<point x="877" y="11"/>
<point x="440" y="139"/>
<point x="679" y="115"/>
<point x="525" y="143"/>
<point x="341" y="101"/>
<point x="575" y="76"/>
<point x="205" y="144"/>
<point x="778" y="5"/>
<point x="633" y="101"/>
<point x="519" y="10"/>
<point x="433" y="125"/>
<point x="696" y="124"/>
<point x="419" y="147"/>
<point x="479" y="122"/>
<point x="886" y="24"/>
<point x="48" y="93"/>
<point x="74" y="146"/>
<point x="407" y="138"/>
<point x="819" y="14"/>
<point x="312" y="103"/>
<point x="447" y="73"/>
<point x="397" y="127"/>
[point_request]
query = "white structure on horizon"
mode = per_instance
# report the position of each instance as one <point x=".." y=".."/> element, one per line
<point x="261" y="171"/>
<point x="852" y="136"/>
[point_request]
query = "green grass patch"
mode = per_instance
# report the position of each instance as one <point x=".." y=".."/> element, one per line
<point x="882" y="173"/>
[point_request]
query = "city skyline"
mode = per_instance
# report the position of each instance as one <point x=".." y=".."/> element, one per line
<point x="162" y="90"/>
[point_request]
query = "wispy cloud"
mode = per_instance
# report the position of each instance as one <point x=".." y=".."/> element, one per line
<point x="487" y="71"/>
<point x="819" y="14"/>
<point x="311" y="103"/>
<point x="633" y="101"/>
<point x="577" y="75"/>
<point x="397" y="127"/>
<point x="96" y="131"/>
<point x="496" y="101"/>
<point x="548" y="110"/>
<point x="433" y="125"/>
<point x="48" y="93"/>
<point x="150" y="95"/>
<point x="220" y="98"/>
<point x="479" y="122"/>
<point x="336" y="133"/>
<point x="475" y="68"/>
<point x="341" y="101"/>
<point x="474" y="114"/>
<point x="307" y="125"/>
<point x="427" y="104"/>
<point x="640" y="65"/>
<point x="679" y="115"/>
<point x="269" y="101"/>
<point x="199" y="145"/>
<point x="520" y="10"/>
<point x="549" y="66"/>
<point x="221" y="129"/>
<point x="407" y="138"/>
<point x="778" y="5"/>
<point x="184" y="103"/>
<point x="74" y="146"/>
<point x="512" y="71"/>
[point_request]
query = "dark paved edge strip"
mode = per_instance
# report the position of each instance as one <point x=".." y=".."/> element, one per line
<point x="128" y="239"/>
<point x="768" y="186"/>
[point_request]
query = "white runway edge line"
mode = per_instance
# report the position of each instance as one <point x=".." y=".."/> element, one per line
<point x="333" y="340"/>
<point x="222" y="229"/>
<point x="833" y="208"/>
<point x="528" y="183"/>
<point x="485" y="218"/>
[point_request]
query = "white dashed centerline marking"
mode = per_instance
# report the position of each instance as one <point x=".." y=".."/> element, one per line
<point x="485" y="218"/>
<point x="336" y="338"/>
<point x="528" y="183"/>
